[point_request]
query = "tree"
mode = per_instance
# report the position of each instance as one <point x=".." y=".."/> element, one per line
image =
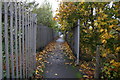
<point x="45" y="14"/>
<point x="102" y="28"/>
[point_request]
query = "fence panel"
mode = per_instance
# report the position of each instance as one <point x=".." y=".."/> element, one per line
<point x="74" y="41"/>
<point x="17" y="40"/>
<point x="44" y="36"/>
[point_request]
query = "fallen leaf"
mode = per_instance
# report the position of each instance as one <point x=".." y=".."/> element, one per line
<point x="85" y="76"/>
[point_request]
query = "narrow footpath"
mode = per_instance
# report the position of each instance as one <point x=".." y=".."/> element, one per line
<point x="58" y="64"/>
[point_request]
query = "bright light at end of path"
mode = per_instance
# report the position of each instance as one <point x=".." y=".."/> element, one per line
<point x="61" y="35"/>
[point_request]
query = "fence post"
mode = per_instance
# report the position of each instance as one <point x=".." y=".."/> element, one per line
<point x="97" y="68"/>
<point x="78" y="40"/>
<point x="1" y="69"/>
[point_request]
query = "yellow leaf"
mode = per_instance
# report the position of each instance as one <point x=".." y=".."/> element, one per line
<point x="105" y="67"/>
<point x="96" y="24"/>
<point x="85" y="76"/>
<point x="101" y="30"/>
<point x="108" y="72"/>
<point x="99" y="18"/>
<point x="83" y="66"/>
<point x="112" y="61"/>
<point x="104" y="41"/>
<point x="85" y="31"/>
<point x="90" y="27"/>
<point x="105" y="15"/>
<point x="111" y="26"/>
<point x="104" y="55"/>
<point x="118" y="29"/>
<point x="117" y="49"/>
<point x="40" y="59"/>
<point x="36" y="71"/>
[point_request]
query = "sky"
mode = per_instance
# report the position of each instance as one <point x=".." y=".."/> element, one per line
<point x="54" y="3"/>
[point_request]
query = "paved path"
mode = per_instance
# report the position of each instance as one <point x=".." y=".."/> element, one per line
<point x="56" y="67"/>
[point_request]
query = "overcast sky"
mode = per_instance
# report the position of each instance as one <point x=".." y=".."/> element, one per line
<point x="54" y="4"/>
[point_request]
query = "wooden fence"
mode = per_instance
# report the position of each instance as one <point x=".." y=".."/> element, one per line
<point x="17" y="40"/>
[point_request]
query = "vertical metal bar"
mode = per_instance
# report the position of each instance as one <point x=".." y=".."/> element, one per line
<point x="6" y="40"/>
<point x="28" y="67"/>
<point x="32" y="53"/>
<point x="23" y="54"/>
<point x="20" y="40"/>
<point x="16" y="40"/>
<point x="33" y="41"/>
<point x="27" y="51"/>
<point x="11" y="39"/>
<point x="78" y="39"/>
<point x="30" y="45"/>
<point x="26" y="47"/>
<point x="35" y="37"/>
<point x="28" y="42"/>
<point x="32" y="58"/>
<point x="1" y="68"/>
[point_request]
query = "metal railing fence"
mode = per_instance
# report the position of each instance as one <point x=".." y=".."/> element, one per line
<point x="17" y="40"/>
